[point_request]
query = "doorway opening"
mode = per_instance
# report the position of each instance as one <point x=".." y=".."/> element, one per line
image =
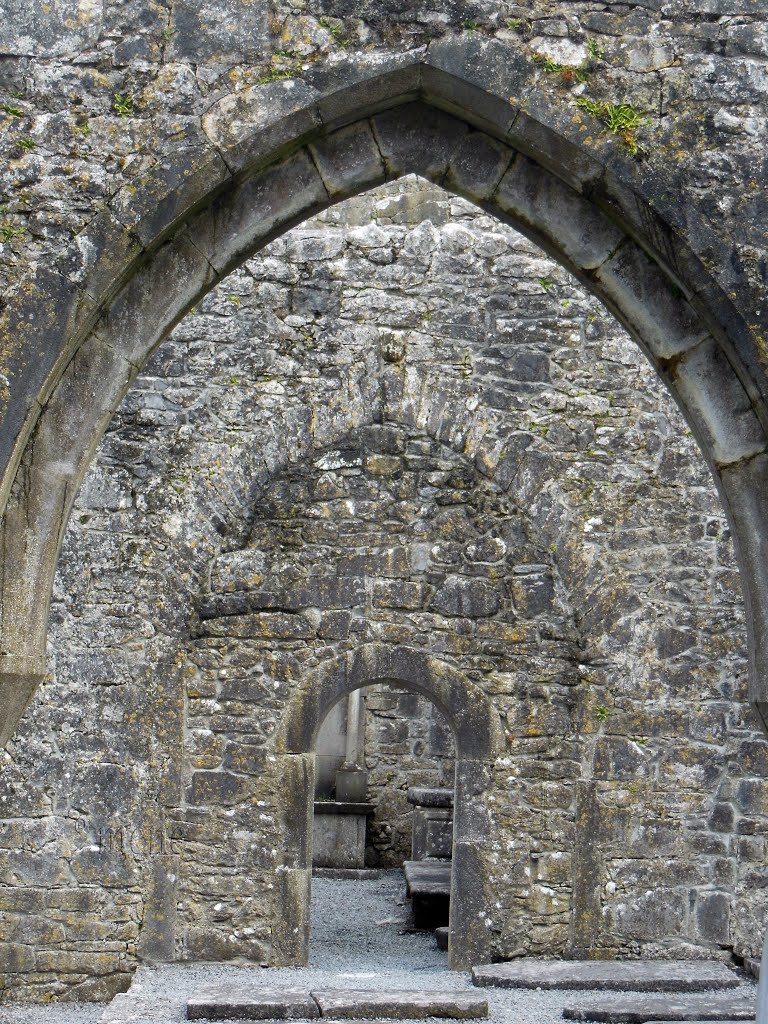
<point x="477" y="738"/>
<point x="384" y="801"/>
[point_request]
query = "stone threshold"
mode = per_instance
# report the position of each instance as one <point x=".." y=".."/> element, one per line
<point x="350" y="874"/>
<point x="258" y="1002"/>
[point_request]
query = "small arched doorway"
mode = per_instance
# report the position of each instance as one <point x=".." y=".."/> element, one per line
<point x="478" y="739"/>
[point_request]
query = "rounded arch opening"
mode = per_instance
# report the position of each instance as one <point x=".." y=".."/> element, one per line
<point x="479" y="741"/>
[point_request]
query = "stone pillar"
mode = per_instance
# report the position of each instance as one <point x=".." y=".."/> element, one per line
<point x="470" y="940"/>
<point x="354" y="752"/>
<point x="587" y="874"/>
<point x="352" y="779"/>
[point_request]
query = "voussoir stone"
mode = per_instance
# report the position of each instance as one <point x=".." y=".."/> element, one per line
<point x="633" y="976"/>
<point x="251" y="1002"/>
<point x="349" y="1004"/>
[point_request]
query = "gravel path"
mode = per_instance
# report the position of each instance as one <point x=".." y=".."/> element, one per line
<point x="359" y="940"/>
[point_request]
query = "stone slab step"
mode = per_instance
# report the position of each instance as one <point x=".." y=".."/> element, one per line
<point x="251" y="1002"/>
<point x="348" y="1004"/>
<point x="636" y="1009"/>
<point x="624" y="975"/>
<point x="258" y="1002"/>
<point x="129" y="1008"/>
<point x="427" y="877"/>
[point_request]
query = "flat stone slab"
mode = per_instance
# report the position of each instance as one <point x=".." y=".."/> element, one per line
<point x="351" y="874"/>
<point x="343" y="807"/>
<point x="423" y="797"/>
<point x="428" y="877"/>
<point x="624" y="975"/>
<point x="251" y="1002"/>
<point x="629" y="1009"/>
<point x="351" y="1004"/>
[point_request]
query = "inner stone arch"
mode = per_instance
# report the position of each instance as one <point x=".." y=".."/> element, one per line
<point x="479" y="742"/>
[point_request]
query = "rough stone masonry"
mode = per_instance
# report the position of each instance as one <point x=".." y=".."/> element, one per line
<point x="399" y="424"/>
<point x="519" y="502"/>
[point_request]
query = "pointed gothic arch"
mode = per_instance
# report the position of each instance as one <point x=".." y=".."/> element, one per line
<point x="282" y="153"/>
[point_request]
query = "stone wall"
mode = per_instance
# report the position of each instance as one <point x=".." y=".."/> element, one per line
<point x="408" y="743"/>
<point x="399" y="423"/>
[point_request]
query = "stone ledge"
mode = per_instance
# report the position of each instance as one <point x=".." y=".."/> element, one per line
<point x="626" y="976"/>
<point x="430" y="797"/>
<point x="428" y="877"/>
<point x="342" y="807"/>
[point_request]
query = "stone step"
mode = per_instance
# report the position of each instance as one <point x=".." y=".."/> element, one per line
<point x="636" y="1009"/>
<point x="427" y="877"/>
<point x="258" y="1002"/>
<point x="441" y="937"/>
<point x="251" y="1002"/>
<point x="428" y="884"/>
<point x="130" y="1007"/>
<point x="624" y="975"/>
<point x="347" y="1004"/>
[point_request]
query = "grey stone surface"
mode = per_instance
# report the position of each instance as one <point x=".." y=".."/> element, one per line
<point x="627" y="976"/>
<point x="336" y="808"/>
<point x="435" y="797"/>
<point x="338" y="834"/>
<point x="350" y="1004"/>
<point x="635" y="1009"/>
<point x="414" y="357"/>
<point x="428" y="877"/>
<point x="432" y="834"/>
<point x="251" y="1002"/>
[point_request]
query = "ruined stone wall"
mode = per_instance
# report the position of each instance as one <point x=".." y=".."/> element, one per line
<point x="402" y="423"/>
<point x="96" y="95"/>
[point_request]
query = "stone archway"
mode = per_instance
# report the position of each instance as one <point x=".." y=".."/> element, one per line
<point x="78" y="347"/>
<point x="479" y="741"/>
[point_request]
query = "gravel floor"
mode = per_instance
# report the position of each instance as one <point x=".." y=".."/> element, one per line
<point x="359" y="940"/>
